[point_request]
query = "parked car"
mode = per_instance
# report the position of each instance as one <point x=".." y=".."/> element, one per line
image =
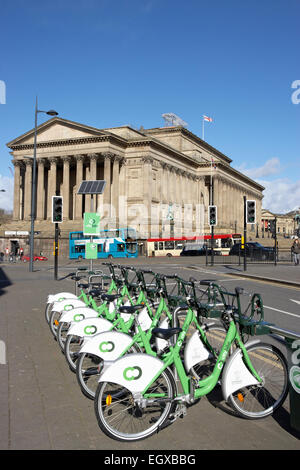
<point x="35" y="258"/>
<point x="192" y="249"/>
<point x="253" y="250"/>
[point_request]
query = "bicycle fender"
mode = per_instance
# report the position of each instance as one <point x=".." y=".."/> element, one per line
<point x="235" y="374"/>
<point x="195" y="351"/>
<point x="77" y="314"/>
<point x="108" y="345"/>
<point x="133" y="371"/>
<point x="60" y="296"/>
<point x="89" y="327"/>
<point x="67" y="304"/>
<point x="161" y="344"/>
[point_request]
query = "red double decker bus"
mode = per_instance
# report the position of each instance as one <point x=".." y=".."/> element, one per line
<point x="174" y="246"/>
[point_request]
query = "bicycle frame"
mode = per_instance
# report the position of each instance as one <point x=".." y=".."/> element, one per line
<point x="204" y="386"/>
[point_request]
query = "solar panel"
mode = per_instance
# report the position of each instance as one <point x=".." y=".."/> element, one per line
<point x="91" y="187"/>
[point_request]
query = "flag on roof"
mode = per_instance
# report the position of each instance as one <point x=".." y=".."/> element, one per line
<point x="206" y="118"/>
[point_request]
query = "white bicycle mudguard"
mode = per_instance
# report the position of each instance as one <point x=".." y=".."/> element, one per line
<point x="67" y="304"/>
<point x="133" y="371"/>
<point x="89" y="327"/>
<point x="235" y="374"/>
<point x="60" y="296"/>
<point x="78" y="314"/>
<point x="161" y="344"/>
<point x="195" y="351"/>
<point x="108" y="345"/>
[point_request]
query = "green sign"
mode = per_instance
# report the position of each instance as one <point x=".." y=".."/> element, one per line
<point x="91" y="250"/>
<point x="91" y="223"/>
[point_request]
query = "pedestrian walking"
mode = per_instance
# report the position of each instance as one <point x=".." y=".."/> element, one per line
<point x="7" y="253"/>
<point x="296" y="251"/>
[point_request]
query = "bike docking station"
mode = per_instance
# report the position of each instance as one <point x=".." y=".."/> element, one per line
<point x="91" y="220"/>
<point x="292" y="342"/>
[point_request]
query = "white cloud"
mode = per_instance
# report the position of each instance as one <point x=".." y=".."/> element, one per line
<point x="7" y="197"/>
<point x="281" y="195"/>
<point x="271" y="167"/>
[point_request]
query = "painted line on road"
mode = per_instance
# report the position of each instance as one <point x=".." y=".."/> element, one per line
<point x="282" y="311"/>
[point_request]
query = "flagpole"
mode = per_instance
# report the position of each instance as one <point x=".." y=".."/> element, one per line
<point x="202" y="128"/>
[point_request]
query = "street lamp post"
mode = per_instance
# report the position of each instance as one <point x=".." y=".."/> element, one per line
<point x="33" y="193"/>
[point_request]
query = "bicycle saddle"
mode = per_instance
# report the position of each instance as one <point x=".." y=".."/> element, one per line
<point x="163" y="333"/>
<point x="110" y="297"/>
<point x="130" y="308"/>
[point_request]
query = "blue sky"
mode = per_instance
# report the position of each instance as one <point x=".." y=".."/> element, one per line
<point x="106" y="64"/>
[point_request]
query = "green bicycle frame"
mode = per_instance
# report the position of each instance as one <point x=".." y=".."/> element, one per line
<point x="204" y="386"/>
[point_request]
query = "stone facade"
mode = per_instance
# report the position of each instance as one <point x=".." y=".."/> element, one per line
<point x="152" y="176"/>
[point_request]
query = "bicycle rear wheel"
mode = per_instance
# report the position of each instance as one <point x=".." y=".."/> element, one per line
<point x="124" y="419"/>
<point x="259" y="401"/>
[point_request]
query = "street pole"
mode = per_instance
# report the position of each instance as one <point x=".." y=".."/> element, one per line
<point x="33" y="186"/>
<point x="275" y="237"/>
<point x="56" y="250"/>
<point x="245" y="235"/>
<point x="33" y="192"/>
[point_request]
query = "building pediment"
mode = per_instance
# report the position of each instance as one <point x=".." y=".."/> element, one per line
<point x="56" y="129"/>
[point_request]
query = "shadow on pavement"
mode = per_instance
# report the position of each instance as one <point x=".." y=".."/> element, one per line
<point x="4" y="281"/>
<point x="281" y="416"/>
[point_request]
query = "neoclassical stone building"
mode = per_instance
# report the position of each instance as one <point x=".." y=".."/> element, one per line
<point x="153" y="176"/>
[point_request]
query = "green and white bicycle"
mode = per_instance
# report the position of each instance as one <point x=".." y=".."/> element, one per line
<point x="97" y="352"/>
<point x="138" y="394"/>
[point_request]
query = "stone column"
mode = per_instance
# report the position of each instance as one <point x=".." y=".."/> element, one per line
<point x="28" y="189"/>
<point x="93" y="176"/>
<point x="17" y="189"/>
<point x="107" y="177"/>
<point x="79" y="177"/>
<point x="116" y="185"/>
<point x="40" y="200"/>
<point x="147" y="192"/>
<point x="52" y="174"/>
<point x="66" y="187"/>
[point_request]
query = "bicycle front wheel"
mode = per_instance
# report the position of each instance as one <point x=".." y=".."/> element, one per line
<point x="126" y="419"/>
<point x="259" y="401"/>
<point x="89" y="369"/>
<point x="72" y="347"/>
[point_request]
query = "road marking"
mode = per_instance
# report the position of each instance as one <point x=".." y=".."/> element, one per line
<point x="282" y="311"/>
<point x="297" y="301"/>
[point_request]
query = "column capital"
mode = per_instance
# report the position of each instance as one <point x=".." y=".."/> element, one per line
<point x="79" y="158"/>
<point x="107" y="155"/>
<point x="53" y="160"/>
<point x="17" y="163"/>
<point x="147" y="159"/>
<point x="66" y="158"/>
<point x="117" y="158"/>
<point x="28" y="161"/>
<point x="93" y="156"/>
<point x="41" y="161"/>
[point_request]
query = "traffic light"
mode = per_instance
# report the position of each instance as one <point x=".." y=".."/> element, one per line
<point x="212" y="215"/>
<point x="273" y="227"/>
<point x="250" y="212"/>
<point x="57" y="209"/>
